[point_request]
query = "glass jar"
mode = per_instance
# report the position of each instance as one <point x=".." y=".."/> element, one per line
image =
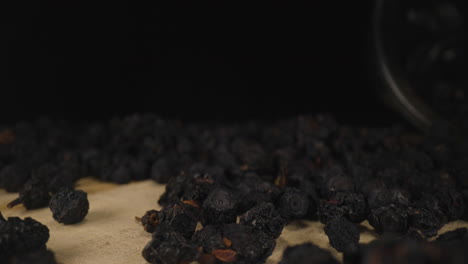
<point x="420" y="52"/>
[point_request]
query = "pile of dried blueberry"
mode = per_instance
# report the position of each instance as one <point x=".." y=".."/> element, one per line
<point x="242" y="183"/>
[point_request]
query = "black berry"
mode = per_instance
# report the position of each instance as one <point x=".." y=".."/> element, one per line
<point x="69" y="206"/>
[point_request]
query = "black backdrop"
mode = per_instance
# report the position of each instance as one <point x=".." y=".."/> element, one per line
<point x="212" y="60"/>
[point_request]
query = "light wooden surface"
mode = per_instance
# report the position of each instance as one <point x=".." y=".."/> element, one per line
<point x="110" y="233"/>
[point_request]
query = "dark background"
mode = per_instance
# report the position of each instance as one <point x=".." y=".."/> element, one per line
<point x="185" y="59"/>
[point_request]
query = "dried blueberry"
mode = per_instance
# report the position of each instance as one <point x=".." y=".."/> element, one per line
<point x="69" y="206"/>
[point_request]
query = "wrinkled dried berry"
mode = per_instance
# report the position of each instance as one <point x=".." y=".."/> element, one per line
<point x="69" y="206"/>
<point x="150" y="220"/>
<point x="189" y="186"/>
<point x="34" y="194"/>
<point x="209" y="238"/>
<point x="347" y="204"/>
<point x="342" y="233"/>
<point x="219" y="208"/>
<point x="389" y="219"/>
<point x="330" y="210"/>
<point x="233" y="242"/>
<point x="18" y="236"/>
<point x="252" y="190"/>
<point x="201" y="186"/>
<point x="265" y="218"/>
<point x="168" y="246"/>
<point x="252" y="246"/>
<point x="424" y="221"/>
<point x="393" y="219"/>
<point x="182" y="217"/>
<point x="175" y="189"/>
<point x="451" y="202"/>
